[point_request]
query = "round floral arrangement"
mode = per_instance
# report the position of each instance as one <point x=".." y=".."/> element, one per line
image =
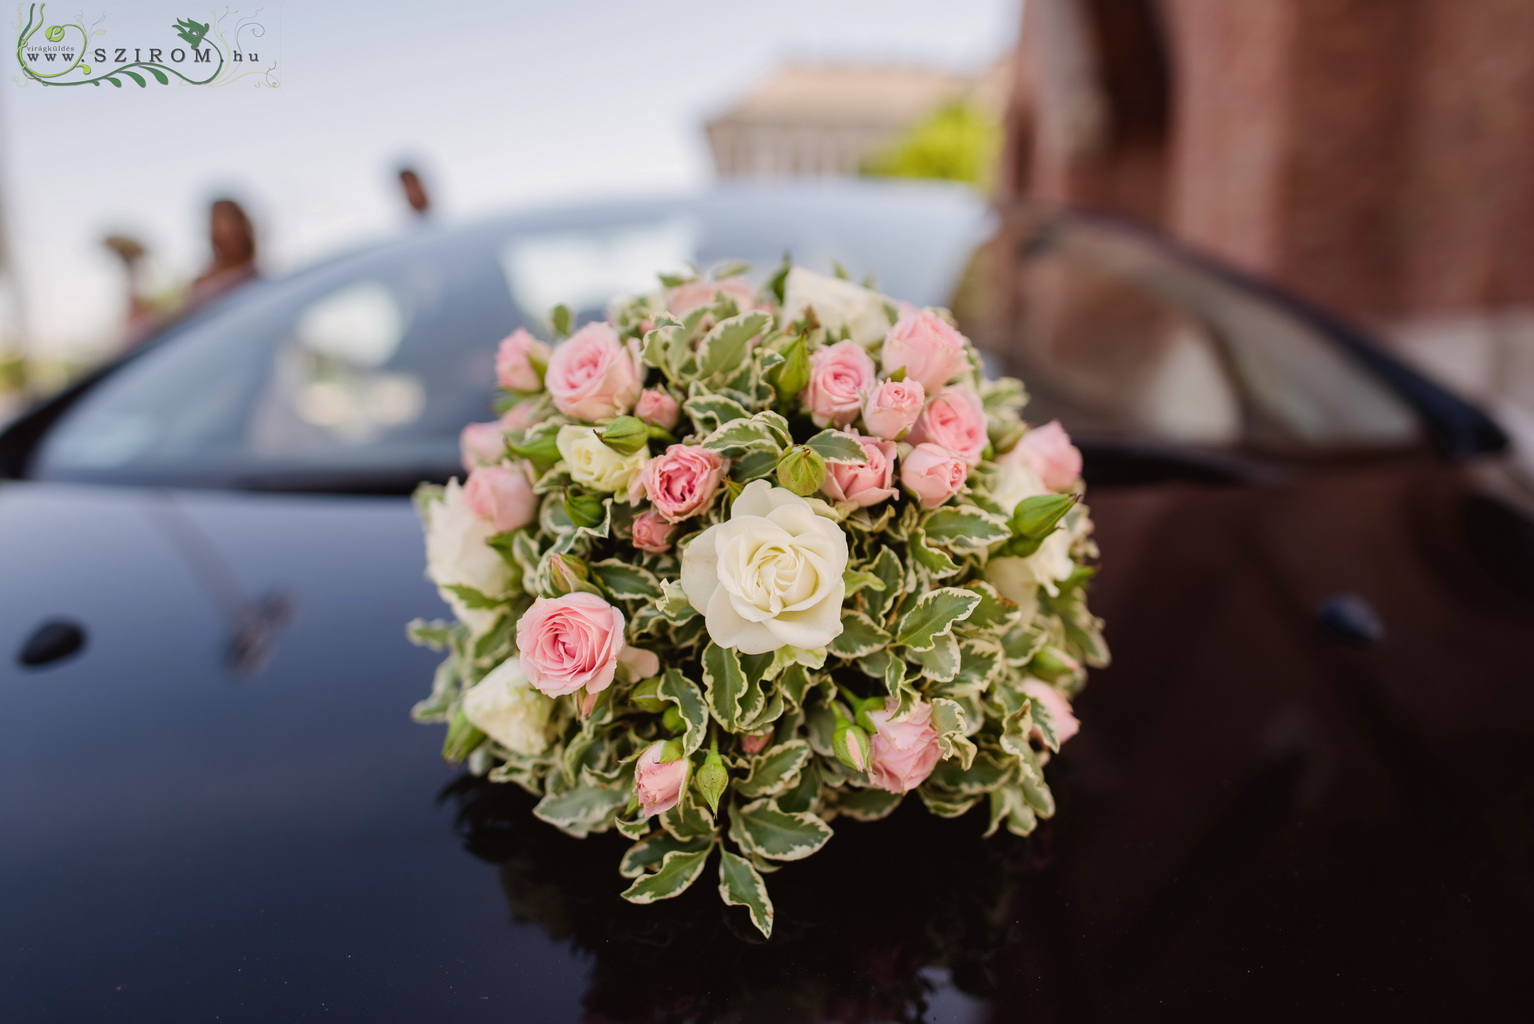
<point x="736" y="563"/>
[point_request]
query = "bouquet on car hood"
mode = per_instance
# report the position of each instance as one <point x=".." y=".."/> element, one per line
<point x="736" y="563"/>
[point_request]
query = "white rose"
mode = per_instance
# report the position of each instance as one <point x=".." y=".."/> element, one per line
<point x="505" y="707"/>
<point x="457" y="555"/>
<point x="1019" y="579"/>
<point x="837" y="304"/>
<point x="769" y="577"/>
<point x="1014" y="482"/>
<point x="593" y="464"/>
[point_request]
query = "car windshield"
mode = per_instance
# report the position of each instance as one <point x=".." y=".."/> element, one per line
<point x="361" y="373"/>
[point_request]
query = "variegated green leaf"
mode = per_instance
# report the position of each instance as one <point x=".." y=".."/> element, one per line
<point x="941" y="663"/>
<point x="779" y="835"/>
<point x="775" y="769"/>
<point x="835" y="446"/>
<point x="683" y="692"/>
<point x="860" y="635"/>
<point x="724" y="347"/>
<point x="933" y="615"/>
<point x="650" y="851"/>
<point x="866" y="804"/>
<point x="965" y="528"/>
<point x="581" y="810"/>
<point x="626" y="581"/>
<point x="741" y="885"/>
<point x="678" y="870"/>
<point x="724" y="683"/>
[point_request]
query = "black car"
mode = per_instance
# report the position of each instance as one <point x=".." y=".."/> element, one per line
<point x="1303" y="783"/>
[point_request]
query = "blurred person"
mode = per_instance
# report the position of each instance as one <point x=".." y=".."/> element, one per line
<point x="415" y="191"/>
<point x="233" y="239"/>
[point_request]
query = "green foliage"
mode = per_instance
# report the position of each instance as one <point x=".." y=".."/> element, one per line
<point x="959" y="142"/>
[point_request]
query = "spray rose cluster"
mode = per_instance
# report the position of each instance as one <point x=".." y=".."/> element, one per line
<point x="740" y="561"/>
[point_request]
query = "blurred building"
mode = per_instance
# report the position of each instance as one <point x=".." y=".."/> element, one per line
<point x="1374" y="155"/>
<point x="828" y="119"/>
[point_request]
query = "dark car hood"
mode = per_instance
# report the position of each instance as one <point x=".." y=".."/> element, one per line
<point x="186" y="838"/>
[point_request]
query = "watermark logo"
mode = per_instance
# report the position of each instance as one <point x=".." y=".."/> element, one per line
<point x="147" y="44"/>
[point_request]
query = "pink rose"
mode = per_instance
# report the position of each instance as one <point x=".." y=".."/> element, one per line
<point x="839" y="374"/>
<point x="904" y="752"/>
<point x="685" y="298"/>
<point x="931" y="351"/>
<point x="502" y="495"/>
<point x="1056" y="706"/>
<point x="593" y="376"/>
<point x="652" y="533"/>
<point x="1048" y="451"/>
<point x="867" y="484"/>
<point x="932" y="474"/>
<point x="520" y="416"/>
<point x="892" y="407"/>
<point x="954" y="419"/>
<point x="658" y="786"/>
<point x="756" y="742"/>
<point x="518" y="359"/>
<point x="682" y="482"/>
<point x="657" y="408"/>
<point x="570" y="642"/>
<point x="481" y="444"/>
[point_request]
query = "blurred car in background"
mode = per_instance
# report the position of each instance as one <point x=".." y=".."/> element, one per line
<point x="1303" y="777"/>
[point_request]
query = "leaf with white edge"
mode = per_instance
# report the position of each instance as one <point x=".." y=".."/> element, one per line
<point x="472" y="598"/>
<point x="581" y="810"/>
<point x="966" y="528"/>
<point x="709" y="412"/>
<point x="943" y="804"/>
<point x="775" y="769"/>
<point x="984" y="774"/>
<point x="860" y="635"/>
<point x="434" y="635"/>
<point x="941" y="664"/>
<point x="647" y="854"/>
<point x="979" y="661"/>
<point x="678" y="870"/>
<point x="993" y="612"/>
<point x="738" y="437"/>
<point x="689" y="819"/>
<point x="724" y="683"/>
<point x="835" y="446"/>
<point x="724" y="347"/>
<point x="673" y="603"/>
<point x="625" y="581"/>
<point x="753" y="466"/>
<point x="861" y="579"/>
<point x="1035" y="791"/>
<point x="741" y="885"/>
<point x="934" y="559"/>
<point x="934" y="614"/>
<point x="684" y="693"/>
<point x="866" y="804"/>
<point x="779" y="835"/>
<point x="886" y="565"/>
<point x="949" y="721"/>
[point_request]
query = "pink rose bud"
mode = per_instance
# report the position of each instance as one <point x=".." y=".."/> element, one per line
<point x="685" y="298"/>
<point x="683" y="482"/>
<point x="657" y="408"/>
<point x="931" y="351"/>
<point x="481" y="444"/>
<point x="932" y="474"/>
<point x="593" y="375"/>
<point x="756" y="742"/>
<point x="839" y="375"/>
<point x="903" y="752"/>
<point x="520" y="416"/>
<point x="652" y="533"/>
<point x="569" y="643"/>
<point x="867" y="484"/>
<point x="851" y="746"/>
<point x="955" y="419"/>
<point x="519" y="361"/>
<point x="1056" y="706"/>
<point x="1048" y="451"/>
<point x="892" y="407"/>
<point x="659" y="785"/>
<point x="502" y="495"/>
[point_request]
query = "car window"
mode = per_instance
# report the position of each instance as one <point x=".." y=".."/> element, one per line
<point x="1118" y="337"/>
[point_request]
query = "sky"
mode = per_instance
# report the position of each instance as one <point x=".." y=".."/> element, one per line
<point x="502" y="105"/>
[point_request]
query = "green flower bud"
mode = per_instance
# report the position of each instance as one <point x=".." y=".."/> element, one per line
<point x="646" y="696"/>
<point x="802" y="470"/>
<point x="1053" y="665"/>
<point x="583" y="509"/>
<point x="792" y="375"/>
<point x="566" y="574"/>
<point x="672" y="720"/>
<point x="711" y="780"/>
<point x="625" y="435"/>
<point x="851" y="745"/>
